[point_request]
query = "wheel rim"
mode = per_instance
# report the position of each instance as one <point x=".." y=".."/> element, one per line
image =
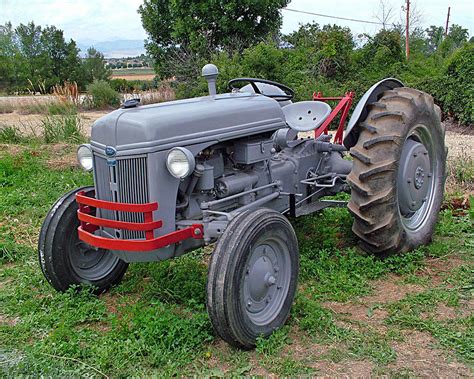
<point x="266" y="280"/>
<point x="417" y="178"/>
<point x="88" y="263"/>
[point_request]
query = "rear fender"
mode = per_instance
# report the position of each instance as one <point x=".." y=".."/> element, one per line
<point x="360" y="111"/>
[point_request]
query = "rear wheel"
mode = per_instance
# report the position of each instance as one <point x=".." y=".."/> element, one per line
<point x="398" y="175"/>
<point x="66" y="260"/>
<point x="252" y="277"/>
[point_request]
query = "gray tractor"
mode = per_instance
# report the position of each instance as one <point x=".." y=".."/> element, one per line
<point x="230" y="170"/>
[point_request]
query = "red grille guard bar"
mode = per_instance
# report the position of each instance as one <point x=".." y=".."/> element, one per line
<point x="90" y="223"/>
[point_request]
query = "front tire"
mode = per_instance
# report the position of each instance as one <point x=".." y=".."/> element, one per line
<point x="252" y="277"/>
<point x="398" y="175"/>
<point x="65" y="260"/>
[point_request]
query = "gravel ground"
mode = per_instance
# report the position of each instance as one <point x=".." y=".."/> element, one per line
<point x="459" y="145"/>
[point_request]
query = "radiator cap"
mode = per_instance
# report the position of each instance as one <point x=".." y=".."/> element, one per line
<point x="131" y="103"/>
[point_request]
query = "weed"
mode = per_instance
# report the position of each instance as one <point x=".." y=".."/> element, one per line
<point x="317" y="320"/>
<point x="288" y="367"/>
<point x="62" y="129"/>
<point x="10" y="134"/>
<point x="61" y="108"/>
<point x="273" y="344"/>
<point x="460" y="172"/>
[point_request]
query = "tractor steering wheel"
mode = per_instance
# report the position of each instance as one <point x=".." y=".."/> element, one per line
<point x="288" y="94"/>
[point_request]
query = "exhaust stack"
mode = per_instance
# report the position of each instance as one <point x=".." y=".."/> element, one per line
<point x="210" y="72"/>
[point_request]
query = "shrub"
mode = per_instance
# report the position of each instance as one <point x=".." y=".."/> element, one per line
<point x="120" y="85"/>
<point x="126" y="86"/>
<point x="102" y="95"/>
<point x="456" y="90"/>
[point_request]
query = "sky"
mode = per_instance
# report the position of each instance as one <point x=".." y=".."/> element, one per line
<point x="87" y="21"/>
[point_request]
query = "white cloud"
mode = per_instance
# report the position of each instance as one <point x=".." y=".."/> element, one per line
<point x="87" y="21"/>
<point x="81" y="20"/>
<point x="433" y="13"/>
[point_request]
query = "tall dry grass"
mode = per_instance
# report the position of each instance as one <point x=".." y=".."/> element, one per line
<point x="460" y="174"/>
<point x="158" y="95"/>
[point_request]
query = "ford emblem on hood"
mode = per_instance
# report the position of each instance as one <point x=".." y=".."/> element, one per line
<point x="110" y="151"/>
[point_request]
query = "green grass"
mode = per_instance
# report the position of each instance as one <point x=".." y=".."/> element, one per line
<point x="155" y="323"/>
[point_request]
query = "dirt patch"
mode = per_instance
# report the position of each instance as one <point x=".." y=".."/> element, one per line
<point x="417" y="353"/>
<point x="5" y="320"/>
<point x="437" y="268"/>
<point x="350" y="369"/>
<point x="368" y="310"/>
<point x="63" y="157"/>
<point x="365" y="313"/>
<point x="389" y="290"/>
<point x="453" y="126"/>
<point x="148" y="77"/>
<point x="12" y="150"/>
<point x="31" y="124"/>
<point x="459" y="205"/>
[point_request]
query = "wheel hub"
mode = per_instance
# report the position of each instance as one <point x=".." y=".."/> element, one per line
<point x="265" y="282"/>
<point x="414" y="177"/>
<point x="87" y="257"/>
<point x="89" y="263"/>
<point x="419" y="177"/>
<point x="261" y="278"/>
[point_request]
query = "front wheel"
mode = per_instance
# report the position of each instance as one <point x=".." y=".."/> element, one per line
<point x="252" y="277"/>
<point x="66" y="260"/>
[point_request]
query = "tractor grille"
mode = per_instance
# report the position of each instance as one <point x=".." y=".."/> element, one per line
<point x="126" y="182"/>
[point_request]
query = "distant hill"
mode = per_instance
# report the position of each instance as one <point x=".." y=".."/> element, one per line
<point x="115" y="49"/>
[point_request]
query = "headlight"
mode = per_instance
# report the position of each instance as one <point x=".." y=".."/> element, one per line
<point x="180" y="162"/>
<point x="84" y="157"/>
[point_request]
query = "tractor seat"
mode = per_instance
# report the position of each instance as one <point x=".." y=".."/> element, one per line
<point x="306" y="115"/>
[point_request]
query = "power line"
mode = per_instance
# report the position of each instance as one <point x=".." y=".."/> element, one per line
<point x="336" y="17"/>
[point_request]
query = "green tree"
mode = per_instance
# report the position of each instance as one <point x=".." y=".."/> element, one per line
<point x="305" y="36"/>
<point x="12" y="63"/>
<point x="435" y="37"/>
<point x="72" y="63"/>
<point x="93" y="67"/>
<point x="330" y="48"/>
<point x="28" y="41"/>
<point x="36" y="58"/>
<point x="178" y="29"/>
<point x="59" y="58"/>
<point x="383" y="49"/>
<point x="458" y="35"/>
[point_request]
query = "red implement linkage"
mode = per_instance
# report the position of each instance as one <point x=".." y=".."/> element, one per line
<point x="90" y="223"/>
<point x="343" y="106"/>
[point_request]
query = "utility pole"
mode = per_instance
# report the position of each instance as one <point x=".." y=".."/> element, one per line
<point x="407" y="31"/>
<point x="447" y="23"/>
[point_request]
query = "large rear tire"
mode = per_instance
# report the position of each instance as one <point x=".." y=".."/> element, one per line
<point x="398" y="174"/>
<point x="67" y="261"/>
<point x="252" y="277"/>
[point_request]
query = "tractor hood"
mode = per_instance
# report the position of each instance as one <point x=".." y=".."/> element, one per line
<point x="184" y="122"/>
